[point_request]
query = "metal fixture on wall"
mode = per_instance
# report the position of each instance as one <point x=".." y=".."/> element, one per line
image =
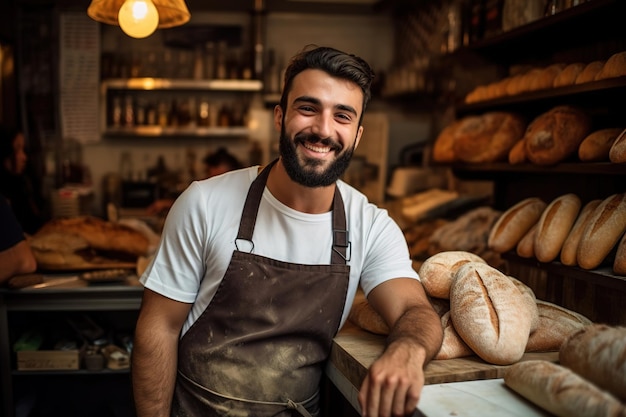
<point x="140" y="18"/>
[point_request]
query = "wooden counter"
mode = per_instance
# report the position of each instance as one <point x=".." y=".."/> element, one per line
<point x="354" y="350"/>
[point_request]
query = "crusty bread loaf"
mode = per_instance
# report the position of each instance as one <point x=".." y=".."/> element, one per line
<point x="619" y="264"/>
<point x="453" y="346"/>
<point x="598" y="353"/>
<point x="364" y="316"/>
<point x="514" y="223"/>
<point x="570" y="246"/>
<point x="597" y="145"/>
<point x="602" y="232"/>
<point x="517" y="154"/>
<point x="443" y="148"/>
<point x="568" y="75"/>
<point x="100" y="234"/>
<point x="437" y="272"/>
<point x="544" y="78"/>
<point x="530" y="299"/>
<point x="555" y="135"/>
<point x="614" y="67"/>
<point x="590" y="72"/>
<point x="554" y="226"/>
<point x="526" y="246"/>
<point x="488" y="137"/>
<point x="490" y="313"/>
<point x="556" y="323"/>
<point x="561" y="391"/>
<point x="617" y="153"/>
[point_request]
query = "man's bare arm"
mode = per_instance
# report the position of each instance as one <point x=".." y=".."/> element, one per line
<point x="16" y="260"/>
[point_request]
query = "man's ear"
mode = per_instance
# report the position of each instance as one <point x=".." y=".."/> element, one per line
<point x="278" y="117"/>
<point x="359" y="134"/>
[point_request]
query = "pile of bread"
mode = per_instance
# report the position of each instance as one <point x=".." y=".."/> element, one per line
<point x="588" y="381"/>
<point x="483" y="311"/>
<point x="524" y="80"/>
<point x="84" y="241"/>
<point x="585" y="235"/>
<point x="560" y="134"/>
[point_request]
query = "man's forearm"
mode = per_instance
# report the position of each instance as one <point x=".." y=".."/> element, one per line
<point x="422" y="325"/>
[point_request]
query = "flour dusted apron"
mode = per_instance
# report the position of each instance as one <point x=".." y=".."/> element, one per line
<point x="259" y="347"/>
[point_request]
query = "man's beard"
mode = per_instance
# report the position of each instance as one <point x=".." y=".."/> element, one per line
<point x="305" y="174"/>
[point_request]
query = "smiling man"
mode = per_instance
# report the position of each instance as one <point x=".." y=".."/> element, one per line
<point x="257" y="270"/>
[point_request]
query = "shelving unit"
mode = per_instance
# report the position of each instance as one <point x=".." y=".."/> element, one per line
<point x="25" y="305"/>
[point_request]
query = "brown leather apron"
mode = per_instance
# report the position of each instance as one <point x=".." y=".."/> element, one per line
<point x="259" y="347"/>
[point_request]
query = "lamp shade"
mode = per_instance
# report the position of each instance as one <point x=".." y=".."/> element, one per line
<point x="171" y="12"/>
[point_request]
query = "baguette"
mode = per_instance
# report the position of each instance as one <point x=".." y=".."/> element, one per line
<point x="570" y="246"/>
<point x="514" y="223"/>
<point x="554" y="225"/>
<point x="490" y="313"/>
<point x="597" y="145"/>
<point x="437" y="272"/>
<point x="561" y="391"/>
<point x="602" y="232"/>
<point x="526" y="246"/>
<point x="619" y="264"/>
<point x="598" y="354"/>
<point x="556" y="324"/>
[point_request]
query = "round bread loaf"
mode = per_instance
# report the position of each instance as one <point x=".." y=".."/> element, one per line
<point x="560" y="390"/>
<point x="490" y="313"/>
<point x="437" y="272"/>
<point x="487" y="138"/>
<point x="619" y="264"/>
<point x="602" y="232"/>
<point x="517" y="154"/>
<point x="590" y="72"/>
<point x="596" y="146"/>
<point x="443" y="149"/>
<point x="526" y="246"/>
<point x="530" y="299"/>
<point x="554" y="225"/>
<point x="556" y="135"/>
<point x="614" y="67"/>
<point x="544" y="78"/>
<point x="514" y="223"/>
<point x="556" y="324"/>
<point x="617" y="153"/>
<point x="598" y="353"/>
<point x="568" y="75"/>
<point x="452" y="346"/>
<point x="570" y="246"/>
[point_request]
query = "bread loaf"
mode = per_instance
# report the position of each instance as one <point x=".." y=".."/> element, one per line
<point x="569" y="74"/>
<point x="555" y="135"/>
<point x="100" y="234"/>
<point x="617" y="153"/>
<point x="597" y="145"/>
<point x="530" y="299"/>
<point x="453" y="346"/>
<point x="544" y="78"/>
<point x="526" y="246"/>
<point x="570" y="246"/>
<point x="514" y="223"/>
<point x="490" y="313"/>
<point x="590" y="72"/>
<point x="561" y="391"/>
<point x="437" y="272"/>
<point x="364" y="316"/>
<point x="598" y="353"/>
<point x="443" y="148"/>
<point x="614" y="67"/>
<point x="517" y="154"/>
<point x="554" y="226"/>
<point x="603" y="230"/>
<point x="555" y="325"/>
<point x="487" y="138"/>
<point x="619" y="264"/>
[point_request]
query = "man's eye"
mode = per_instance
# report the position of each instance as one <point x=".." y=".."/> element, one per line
<point x="307" y="108"/>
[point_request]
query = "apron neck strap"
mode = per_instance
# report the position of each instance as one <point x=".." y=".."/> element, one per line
<point x="341" y="241"/>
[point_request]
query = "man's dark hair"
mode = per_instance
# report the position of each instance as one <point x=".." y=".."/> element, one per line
<point x="334" y="62"/>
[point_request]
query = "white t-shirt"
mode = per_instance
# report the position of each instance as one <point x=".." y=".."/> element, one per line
<point x="199" y="234"/>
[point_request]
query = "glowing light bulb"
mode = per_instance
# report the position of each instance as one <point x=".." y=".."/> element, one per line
<point x="138" y="18"/>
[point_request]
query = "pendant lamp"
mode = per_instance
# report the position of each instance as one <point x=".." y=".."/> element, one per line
<point x="139" y="18"/>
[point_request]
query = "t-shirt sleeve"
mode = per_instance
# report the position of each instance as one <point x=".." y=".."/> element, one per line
<point x="12" y="232"/>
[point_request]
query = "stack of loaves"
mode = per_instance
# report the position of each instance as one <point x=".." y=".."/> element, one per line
<point x="584" y="235"/>
<point x="589" y="381"/>
<point x="483" y="311"/>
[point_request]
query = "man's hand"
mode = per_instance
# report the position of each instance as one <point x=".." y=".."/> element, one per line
<point x="394" y="382"/>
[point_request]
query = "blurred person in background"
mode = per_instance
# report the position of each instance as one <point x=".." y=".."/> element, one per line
<point x="215" y="163"/>
<point x="15" y="185"/>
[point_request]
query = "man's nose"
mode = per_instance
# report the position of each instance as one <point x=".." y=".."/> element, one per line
<point x="322" y="126"/>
